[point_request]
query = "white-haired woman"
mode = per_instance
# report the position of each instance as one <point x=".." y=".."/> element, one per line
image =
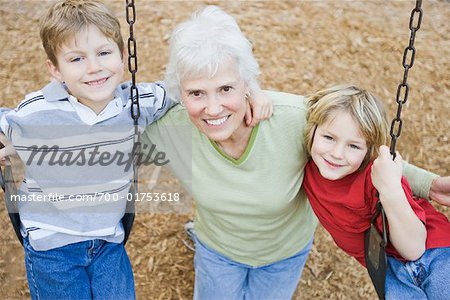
<point x="254" y="227"/>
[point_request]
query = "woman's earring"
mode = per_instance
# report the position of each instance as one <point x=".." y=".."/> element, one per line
<point x="181" y="103"/>
<point x="247" y="95"/>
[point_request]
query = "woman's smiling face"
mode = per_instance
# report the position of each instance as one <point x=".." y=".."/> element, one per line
<point x="217" y="105"/>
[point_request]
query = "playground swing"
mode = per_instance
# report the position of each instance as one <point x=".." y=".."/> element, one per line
<point x="6" y="175"/>
<point x="374" y="243"/>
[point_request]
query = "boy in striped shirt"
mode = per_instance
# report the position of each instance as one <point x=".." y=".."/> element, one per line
<point x="75" y="137"/>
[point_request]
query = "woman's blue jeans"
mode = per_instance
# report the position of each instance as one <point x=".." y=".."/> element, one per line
<point x="220" y="278"/>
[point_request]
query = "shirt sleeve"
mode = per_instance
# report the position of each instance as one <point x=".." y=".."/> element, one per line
<point x="153" y="100"/>
<point x="158" y="95"/>
<point x="419" y="179"/>
<point x="3" y="121"/>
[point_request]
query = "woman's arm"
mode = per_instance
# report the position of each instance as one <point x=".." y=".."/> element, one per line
<point x="406" y="231"/>
<point x="427" y="185"/>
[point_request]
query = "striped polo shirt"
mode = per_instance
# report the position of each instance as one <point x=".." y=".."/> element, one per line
<point x="78" y="165"/>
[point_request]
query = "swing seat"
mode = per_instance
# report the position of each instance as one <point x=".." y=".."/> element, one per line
<point x="127" y="222"/>
<point x="376" y="259"/>
<point x="128" y="217"/>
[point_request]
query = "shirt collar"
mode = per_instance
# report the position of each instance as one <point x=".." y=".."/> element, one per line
<point x="88" y="116"/>
<point x="57" y="91"/>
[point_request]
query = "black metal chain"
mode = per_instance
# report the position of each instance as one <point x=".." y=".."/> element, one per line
<point x="377" y="260"/>
<point x="132" y="61"/>
<point x="403" y="87"/>
<point x="134" y="92"/>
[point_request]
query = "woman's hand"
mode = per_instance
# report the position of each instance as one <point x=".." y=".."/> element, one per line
<point x="440" y="190"/>
<point x="259" y="108"/>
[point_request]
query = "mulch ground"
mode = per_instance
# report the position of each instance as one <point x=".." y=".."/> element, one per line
<point x="302" y="46"/>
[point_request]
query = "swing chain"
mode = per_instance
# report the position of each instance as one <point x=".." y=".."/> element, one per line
<point x="134" y="95"/>
<point x="403" y="87"/>
<point x="132" y="61"/>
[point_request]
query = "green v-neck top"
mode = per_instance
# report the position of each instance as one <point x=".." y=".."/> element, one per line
<point x="249" y="209"/>
<point x="246" y="152"/>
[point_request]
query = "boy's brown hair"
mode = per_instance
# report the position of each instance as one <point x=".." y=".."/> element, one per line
<point x="366" y="110"/>
<point x="67" y="17"/>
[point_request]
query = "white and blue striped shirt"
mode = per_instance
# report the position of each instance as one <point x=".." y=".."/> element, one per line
<point x="75" y="160"/>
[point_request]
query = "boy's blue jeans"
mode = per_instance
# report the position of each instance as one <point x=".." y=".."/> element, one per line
<point x="426" y="278"/>
<point x="92" y="269"/>
<point x="220" y="278"/>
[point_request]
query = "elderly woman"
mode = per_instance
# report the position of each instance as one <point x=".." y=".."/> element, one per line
<point x="254" y="226"/>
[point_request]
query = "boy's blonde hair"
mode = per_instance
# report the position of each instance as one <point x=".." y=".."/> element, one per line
<point x="66" y="18"/>
<point x="366" y="110"/>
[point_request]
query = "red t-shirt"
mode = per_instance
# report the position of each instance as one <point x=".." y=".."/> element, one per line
<point x="344" y="207"/>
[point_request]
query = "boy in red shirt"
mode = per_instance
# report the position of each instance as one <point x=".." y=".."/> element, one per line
<point x="345" y="132"/>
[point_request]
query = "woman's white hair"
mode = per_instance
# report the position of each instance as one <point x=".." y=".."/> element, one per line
<point x="201" y="45"/>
